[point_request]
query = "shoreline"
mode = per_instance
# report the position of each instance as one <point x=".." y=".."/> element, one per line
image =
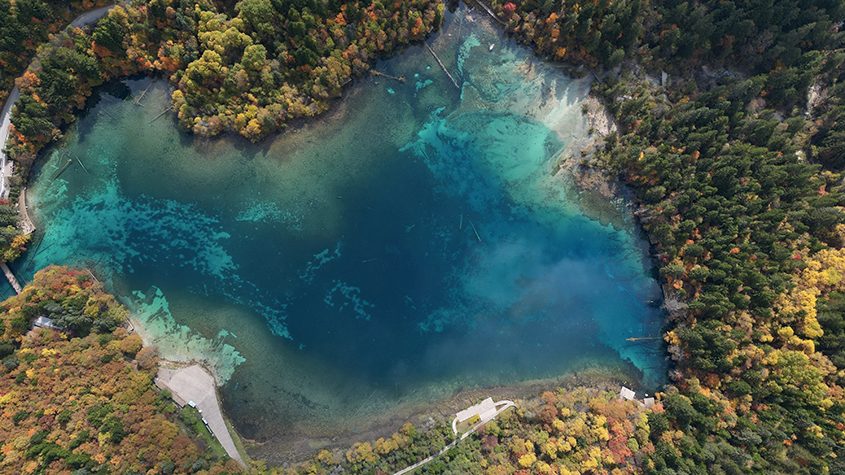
<point x="195" y="385"/>
<point x="387" y="422"/>
<point x="300" y="445"/>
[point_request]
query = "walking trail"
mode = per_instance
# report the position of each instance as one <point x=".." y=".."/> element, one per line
<point x="487" y="418"/>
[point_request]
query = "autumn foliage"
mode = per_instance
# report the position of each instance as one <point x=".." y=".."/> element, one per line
<point x="72" y="400"/>
<point x="250" y="73"/>
<point x="574" y="431"/>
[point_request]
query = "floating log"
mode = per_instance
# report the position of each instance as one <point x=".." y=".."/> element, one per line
<point x="644" y="338"/>
<point x="461" y="225"/>
<point x="162" y="113"/>
<point x="138" y="100"/>
<point x="594" y="74"/>
<point x="92" y="275"/>
<point x="377" y="73"/>
<point x="442" y="67"/>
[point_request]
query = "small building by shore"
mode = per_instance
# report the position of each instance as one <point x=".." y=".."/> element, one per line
<point x="44" y="322"/>
<point x="630" y="395"/>
<point x="482" y="412"/>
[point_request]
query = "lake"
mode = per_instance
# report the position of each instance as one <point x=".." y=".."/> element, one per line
<point x="416" y="241"/>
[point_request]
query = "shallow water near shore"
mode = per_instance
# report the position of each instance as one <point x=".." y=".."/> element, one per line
<point x="415" y="242"/>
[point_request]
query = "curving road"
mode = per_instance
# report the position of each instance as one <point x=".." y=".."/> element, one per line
<point x="5" y="165"/>
<point x="90" y="17"/>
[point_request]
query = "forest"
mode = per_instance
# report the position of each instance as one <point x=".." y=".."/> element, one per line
<point x="249" y="67"/>
<point x="25" y="26"/>
<point x="731" y="133"/>
<point x="737" y="165"/>
<point x="81" y="400"/>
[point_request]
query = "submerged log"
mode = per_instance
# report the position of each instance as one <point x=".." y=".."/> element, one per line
<point x="442" y="67"/>
<point x="138" y="100"/>
<point x="69" y="161"/>
<point x="81" y="164"/>
<point x="474" y="230"/>
<point x="162" y="113"/>
<point x="377" y="73"/>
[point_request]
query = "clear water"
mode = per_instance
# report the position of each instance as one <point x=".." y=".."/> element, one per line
<point x="414" y="243"/>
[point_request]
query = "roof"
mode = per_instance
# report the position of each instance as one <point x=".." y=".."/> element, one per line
<point x="482" y="409"/>
<point x="44" y="322"/>
<point x="626" y="393"/>
<point x="485" y="410"/>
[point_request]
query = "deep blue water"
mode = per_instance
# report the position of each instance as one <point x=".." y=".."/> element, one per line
<point x="414" y="243"/>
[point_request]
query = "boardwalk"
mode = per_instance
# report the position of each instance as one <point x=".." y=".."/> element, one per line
<point x="196" y="384"/>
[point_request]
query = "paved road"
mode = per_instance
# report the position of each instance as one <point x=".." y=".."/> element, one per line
<point x="90" y="17"/>
<point x="5" y="165"/>
<point x="4" y="136"/>
<point x="196" y="384"/>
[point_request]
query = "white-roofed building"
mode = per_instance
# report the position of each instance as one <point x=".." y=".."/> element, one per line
<point x="44" y="322"/>
<point x="484" y="410"/>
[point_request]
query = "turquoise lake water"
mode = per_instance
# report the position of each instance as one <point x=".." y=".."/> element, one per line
<point x="415" y="242"/>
